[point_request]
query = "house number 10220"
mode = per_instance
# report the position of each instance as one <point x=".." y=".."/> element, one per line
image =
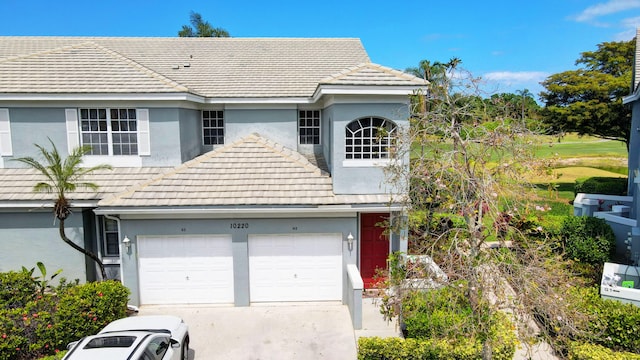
<point x="239" y="225"/>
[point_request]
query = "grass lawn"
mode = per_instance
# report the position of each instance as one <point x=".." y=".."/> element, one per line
<point x="578" y="157"/>
<point x="572" y="146"/>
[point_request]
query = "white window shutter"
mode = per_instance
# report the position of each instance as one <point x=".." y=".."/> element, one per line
<point x="6" y="148"/>
<point x="73" y="136"/>
<point x="144" y="143"/>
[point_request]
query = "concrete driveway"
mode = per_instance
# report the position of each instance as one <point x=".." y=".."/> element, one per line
<point x="274" y="331"/>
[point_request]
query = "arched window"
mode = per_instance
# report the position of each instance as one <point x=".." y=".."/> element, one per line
<point x="369" y="138"/>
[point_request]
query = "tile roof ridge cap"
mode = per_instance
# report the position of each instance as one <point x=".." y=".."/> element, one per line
<point x="344" y="72"/>
<point x="385" y="69"/>
<point x="141" y="185"/>
<point x="84" y="42"/>
<point x="172" y="171"/>
<point x="289" y="154"/>
<point x="395" y="72"/>
<point x="172" y="83"/>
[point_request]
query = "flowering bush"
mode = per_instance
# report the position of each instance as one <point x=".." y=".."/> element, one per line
<point x="47" y="322"/>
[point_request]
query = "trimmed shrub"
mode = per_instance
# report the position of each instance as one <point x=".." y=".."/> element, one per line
<point x="59" y="355"/>
<point x="601" y="185"/>
<point x="375" y="348"/>
<point x="583" y="351"/>
<point x="16" y="289"/>
<point x="87" y="308"/>
<point x="49" y="322"/>
<point x="445" y="315"/>
<point x="614" y="325"/>
<point x="587" y="239"/>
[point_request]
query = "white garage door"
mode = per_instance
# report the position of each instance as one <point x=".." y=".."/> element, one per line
<point x="295" y="267"/>
<point x="185" y="269"/>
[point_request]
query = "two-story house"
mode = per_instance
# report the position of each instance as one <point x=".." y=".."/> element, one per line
<point x="244" y="170"/>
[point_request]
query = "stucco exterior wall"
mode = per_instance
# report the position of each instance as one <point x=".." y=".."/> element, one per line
<point x="29" y="237"/>
<point x="133" y="228"/>
<point x="359" y="180"/>
<point x="31" y="126"/>
<point x="190" y="134"/>
<point x="634" y="157"/>
<point x="279" y="125"/>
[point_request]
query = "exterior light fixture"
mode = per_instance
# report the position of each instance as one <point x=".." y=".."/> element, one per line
<point x="350" y="241"/>
<point x="126" y="242"/>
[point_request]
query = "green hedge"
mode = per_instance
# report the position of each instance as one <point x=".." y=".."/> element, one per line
<point x="601" y="185"/>
<point x="375" y="348"/>
<point x="440" y="324"/>
<point x="50" y="321"/>
<point x="614" y="325"/>
<point x="587" y="239"/>
<point x="582" y="351"/>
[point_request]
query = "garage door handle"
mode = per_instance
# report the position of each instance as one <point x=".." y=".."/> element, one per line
<point x="187" y="278"/>
<point x="295" y="276"/>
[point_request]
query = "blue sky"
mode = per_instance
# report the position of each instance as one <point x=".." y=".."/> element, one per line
<point x="511" y="44"/>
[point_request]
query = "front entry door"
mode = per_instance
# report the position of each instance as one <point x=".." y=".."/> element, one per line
<point x="374" y="244"/>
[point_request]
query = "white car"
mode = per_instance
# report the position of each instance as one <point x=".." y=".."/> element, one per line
<point x="157" y="337"/>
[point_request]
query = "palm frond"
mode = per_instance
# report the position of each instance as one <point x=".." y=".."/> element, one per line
<point x="63" y="174"/>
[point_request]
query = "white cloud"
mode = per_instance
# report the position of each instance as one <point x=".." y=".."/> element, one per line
<point x="631" y="24"/>
<point x="610" y="7"/>
<point x="515" y="77"/>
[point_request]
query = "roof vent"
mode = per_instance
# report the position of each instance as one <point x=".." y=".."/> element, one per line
<point x="186" y="65"/>
<point x="175" y="67"/>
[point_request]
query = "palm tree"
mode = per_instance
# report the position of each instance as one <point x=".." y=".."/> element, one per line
<point x="64" y="176"/>
<point x="525" y="95"/>
<point x="201" y="28"/>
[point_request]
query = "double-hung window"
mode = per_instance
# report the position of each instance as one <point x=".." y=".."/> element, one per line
<point x="309" y="127"/>
<point x="110" y="237"/>
<point x="213" y="127"/>
<point x="109" y="131"/>
<point x="369" y="138"/>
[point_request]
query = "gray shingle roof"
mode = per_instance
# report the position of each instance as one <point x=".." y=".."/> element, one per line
<point x="210" y="67"/>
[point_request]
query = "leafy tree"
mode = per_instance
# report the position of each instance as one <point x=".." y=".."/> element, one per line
<point x="589" y="100"/>
<point x="64" y="176"/>
<point x="201" y="28"/>
<point x="466" y="195"/>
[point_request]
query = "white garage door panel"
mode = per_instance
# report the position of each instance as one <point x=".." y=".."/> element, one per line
<point x="185" y="270"/>
<point x="295" y="267"/>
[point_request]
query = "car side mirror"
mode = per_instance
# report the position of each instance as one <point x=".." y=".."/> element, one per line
<point x="72" y="344"/>
<point x="175" y="344"/>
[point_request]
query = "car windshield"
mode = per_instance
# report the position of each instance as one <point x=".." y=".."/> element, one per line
<point x="110" y="341"/>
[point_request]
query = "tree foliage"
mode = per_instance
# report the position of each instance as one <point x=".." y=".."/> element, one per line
<point x="588" y="100"/>
<point x="466" y="197"/>
<point x="201" y="28"/>
<point x="63" y="176"/>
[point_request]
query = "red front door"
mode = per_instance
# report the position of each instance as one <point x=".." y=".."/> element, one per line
<point x="374" y="247"/>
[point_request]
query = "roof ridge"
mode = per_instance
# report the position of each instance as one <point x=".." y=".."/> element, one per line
<point x="289" y="154"/>
<point x="354" y="69"/>
<point x="140" y="67"/>
<point x="116" y="55"/>
<point x="45" y="52"/>
<point x="254" y="137"/>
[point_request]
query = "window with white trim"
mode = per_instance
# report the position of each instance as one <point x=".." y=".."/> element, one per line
<point x="213" y="127"/>
<point x="109" y="131"/>
<point x="309" y="127"/>
<point x="369" y="138"/>
<point x="110" y="237"/>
